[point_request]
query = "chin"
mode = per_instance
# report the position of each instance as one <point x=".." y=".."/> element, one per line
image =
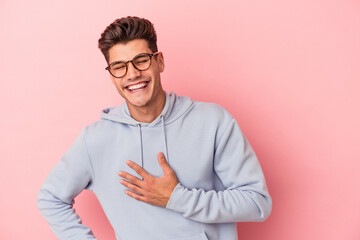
<point x="143" y="103"/>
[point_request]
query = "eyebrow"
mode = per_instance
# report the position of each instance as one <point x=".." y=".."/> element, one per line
<point x="115" y="62"/>
<point x="123" y="61"/>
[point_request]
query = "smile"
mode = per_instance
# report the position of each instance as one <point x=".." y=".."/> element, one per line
<point x="137" y="87"/>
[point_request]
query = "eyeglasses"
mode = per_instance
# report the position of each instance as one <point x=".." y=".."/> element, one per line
<point x="141" y="62"/>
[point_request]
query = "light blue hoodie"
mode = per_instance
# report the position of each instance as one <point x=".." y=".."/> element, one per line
<point x="220" y="178"/>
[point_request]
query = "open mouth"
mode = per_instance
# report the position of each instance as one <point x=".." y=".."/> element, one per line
<point x="137" y="87"/>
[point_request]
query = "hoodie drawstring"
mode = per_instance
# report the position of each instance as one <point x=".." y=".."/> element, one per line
<point x="165" y="142"/>
<point x="141" y="142"/>
<point x="141" y="147"/>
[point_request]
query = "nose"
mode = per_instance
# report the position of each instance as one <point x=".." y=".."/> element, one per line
<point x="132" y="72"/>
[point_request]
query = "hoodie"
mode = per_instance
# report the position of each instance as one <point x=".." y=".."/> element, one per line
<point x="220" y="178"/>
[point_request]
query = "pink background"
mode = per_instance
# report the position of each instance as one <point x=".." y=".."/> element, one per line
<point x="288" y="71"/>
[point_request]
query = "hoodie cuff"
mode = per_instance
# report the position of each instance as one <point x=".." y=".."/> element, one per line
<point x="175" y="201"/>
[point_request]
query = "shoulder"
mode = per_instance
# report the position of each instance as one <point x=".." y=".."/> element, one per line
<point x="210" y="116"/>
<point x="212" y="111"/>
<point x="92" y="127"/>
<point x="97" y="131"/>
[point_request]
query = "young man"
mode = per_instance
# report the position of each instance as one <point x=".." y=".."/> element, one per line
<point x="162" y="166"/>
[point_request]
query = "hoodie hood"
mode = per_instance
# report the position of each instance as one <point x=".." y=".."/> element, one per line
<point x="175" y="106"/>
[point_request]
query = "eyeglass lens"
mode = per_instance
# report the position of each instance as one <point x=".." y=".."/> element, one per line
<point x="140" y="62"/>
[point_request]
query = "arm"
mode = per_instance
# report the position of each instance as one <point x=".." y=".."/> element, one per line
<point x="245" y="197"/>
<point x="67" y="179"/>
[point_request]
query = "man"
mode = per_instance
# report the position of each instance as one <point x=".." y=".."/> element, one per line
<point x="206" y="177"/>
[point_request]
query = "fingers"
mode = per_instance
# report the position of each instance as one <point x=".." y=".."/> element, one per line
<point x="137" y="169"/>
<point x="152" y="190"/>
<point x="130" y="178"/>
<point x="131" y="186"/>
<point x="136" y="196"/>
<point x="163" y="163"/>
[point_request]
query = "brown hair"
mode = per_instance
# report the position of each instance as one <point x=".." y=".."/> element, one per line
<point x="125" y="29"/>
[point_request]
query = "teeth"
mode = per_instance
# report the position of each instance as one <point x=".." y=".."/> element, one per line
<point x="137" y="86"/>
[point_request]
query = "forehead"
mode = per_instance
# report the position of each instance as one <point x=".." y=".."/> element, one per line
<point x="125" y="52"/>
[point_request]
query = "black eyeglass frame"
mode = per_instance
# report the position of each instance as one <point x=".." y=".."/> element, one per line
<point x="126" y="63"/>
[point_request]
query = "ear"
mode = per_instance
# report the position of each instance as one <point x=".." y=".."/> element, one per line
<point x="161" y="61"/>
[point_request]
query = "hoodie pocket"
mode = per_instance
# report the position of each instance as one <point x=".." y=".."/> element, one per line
<point x="201" y="236"/>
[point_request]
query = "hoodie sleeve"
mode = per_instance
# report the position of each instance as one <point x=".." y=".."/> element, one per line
<point x="245" y="197"/>
<point x="67" y="179"/>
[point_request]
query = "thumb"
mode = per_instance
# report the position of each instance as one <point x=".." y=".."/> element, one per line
<point x="163" y="163"/>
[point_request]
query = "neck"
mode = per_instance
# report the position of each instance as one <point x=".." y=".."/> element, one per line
<point x="149" y="113"/>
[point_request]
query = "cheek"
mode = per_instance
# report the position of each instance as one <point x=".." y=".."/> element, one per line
<point x="116" y="82"/>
